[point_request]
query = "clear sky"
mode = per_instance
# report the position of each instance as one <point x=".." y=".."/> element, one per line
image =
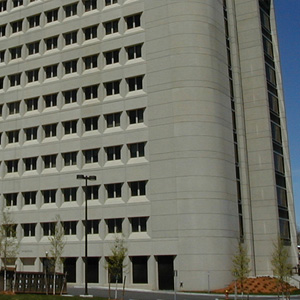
<point x="288" y="28"/>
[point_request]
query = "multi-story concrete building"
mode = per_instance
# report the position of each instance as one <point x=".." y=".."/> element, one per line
<point x="177" y="108"/>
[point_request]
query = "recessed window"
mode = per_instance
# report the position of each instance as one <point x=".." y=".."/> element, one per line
<point x="135" y="83"/>
<point x="31" y="104"/>
<point x="70" y="158"/>
<point x="70" y="227"/>
<point x="112" y="57"/>
<point x="91" y="156"/>
<point x="90" y="92"/>
<point x="15" y="79"/>
<point x="17" y="3"/>
<point x="51" y="42"/>
<point x="113" y="120"/>
<point x="15" y="52"/>
<point x="91" y="123"/>
<point x="70" y="66"/>
<point x="137" y="150"/>
<point x="93" y="226"/>
<point x="112" y="88"/>
<point x="90" y="62"/>
<point x="50" y="100"/>
<point x="137" y="188"/>
<point x="50" y="130"/>
<point x="92" y="192"/>
<point x="51" y="71"/>
<point x="136" y="116"/>
<point x="70" y="96"/>
<point x="134" y="51"/>
<point x="12" y="136"/>
<point x="33" y="48"/>
<point x="3" y="5"/>
<point x="49" y="196"/>
<point x="70" y="10"/>
<point x="2" y="56"/>
<point x="32" y="75"/>
<point x="69" y="194"/>
<point x="114" y="225"/>
<point x="49" y="161"/>
<point x="30" y="163"/>
<point x="2" y="30"/>
<point x="111" y="27"/>
<point x="29" y="197"/>
<point x="1" y="83"/>
<point x="13" y="107"/>
<point x="29" y="229"/>
<point x="48" y="228"/>
<point x="34" y="21"/>
<point x="70" y="127"/>
<point x="114" y="190"/>
<point x="90" y="5"/>
<point x="113" y="153"/>
<point x="16" y="26"/>
<point x="139" y="269"/>
<point x="12" y="165"/>
<point x="70" y="37"/>
<point x="90" y="32"/>
<point x="110" y="2"/>
<point x="133" y="21"/>
<point x="138" y="224"/>
<point x="31" y="133"/>
<point x="51" y="15"/>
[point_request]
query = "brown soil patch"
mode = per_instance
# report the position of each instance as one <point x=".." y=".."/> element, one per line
<point x="258" y="285"/>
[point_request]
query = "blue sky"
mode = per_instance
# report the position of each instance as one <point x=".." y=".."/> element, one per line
<point x="288" y="28"/>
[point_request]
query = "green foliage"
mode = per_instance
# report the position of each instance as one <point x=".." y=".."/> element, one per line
<point x="240" y="261"/>
<point x="115" y="262"/>
<point x="9" y="246"/>
<point x="280" y="262"/>
<point x="57" y="242"/>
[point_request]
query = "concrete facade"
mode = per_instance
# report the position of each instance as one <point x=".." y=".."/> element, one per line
<point x="166" y="102"/>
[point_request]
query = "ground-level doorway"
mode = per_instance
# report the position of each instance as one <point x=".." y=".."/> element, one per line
<point x="165" y="266"/>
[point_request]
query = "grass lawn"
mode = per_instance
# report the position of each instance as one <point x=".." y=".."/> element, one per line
<point x="42" y="297"/>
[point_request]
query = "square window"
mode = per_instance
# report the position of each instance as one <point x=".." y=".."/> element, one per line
<point x="110" y="2"/>
<point x="13" y="107"/>
<point x="2" y="56"/>
<point x="137" y="150"/>
<point x="31" y="104"/>
<point x="15" y="52"/>
<point x="51" y="15"/>
<point x="133" y="21"/>
<point x="114" y="190"/>
<point x="112" y="57"/>
<point x="92" y="192"/>
<point x="90" y="92"/>
<point x="139" y="224"/>
<point x="33" y="48"/>
<point x="50" y="100"/>
<point x="135" y="83"/>
<point x="11" y="199"/>
<point x="70" y="227"/>
<point x="50" y="130"/>
<point x="112" y="88"/>
<point x="3" y="5"/>
<point x="69" y="194"/>
<point x="30" y="197"/>
<point x="32" y="75"/>
<point x="1" y="83"/>
<point x="134" y="51"/>
<point x="90" y="62"/>
<point x="114" y="225"/>
<point x="12" y="165"/>
<point x="91" y="123"/>
<point x="136" y="116"/>
<point x="49" y="161"/>
<point x="31" y="133"/>
<point x="111" y="27"/>
<point x="2" y="30"/>
<point x="91" y="156"/>
<point x="70" y="10"/>
<point x="90" y="5"/>
<point x="70" y="127"/>
<point x="34" y="21"/>
<point x="29" y="229"/>
<point x="90" y="32"/>
<point x="93" y="226"/>
<point x="16" y="26"/>
<point x="30" y="163"/>
<point x="17" y="3"/>
<point x="70" y="37"/>
<point x="137" y="188"/>
<point x="51" y="42"/>
<point x="51" y="71"/>
<point x="70" y="96"/>
<point x="48" y="228"/>
<point x="49" y="196"/>
<point x="70" y="66"/>
<point x="12" y="136"/>
<point x="15" y="79"/>
<point x="70" y="158"/>
<point x="113" y="120"/>
<point x="113" y="153"/>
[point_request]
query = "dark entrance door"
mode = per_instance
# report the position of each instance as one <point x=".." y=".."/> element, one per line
<point x="93" y="269"/>
<point x="70" y="268"/>
<point x="165" y="272"/>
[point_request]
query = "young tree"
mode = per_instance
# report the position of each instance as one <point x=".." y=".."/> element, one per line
<point x="241" y="269"/>
<point x="281" y="267"/>
<point x="115" y="262"/>
<point x="57" y="242"/>
<point x="9" y="245"/>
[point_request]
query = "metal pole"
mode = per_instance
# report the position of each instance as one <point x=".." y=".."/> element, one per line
<point x="86" y="237"/>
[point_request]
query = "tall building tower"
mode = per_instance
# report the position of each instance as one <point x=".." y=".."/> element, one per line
<point x="175" y="106"/>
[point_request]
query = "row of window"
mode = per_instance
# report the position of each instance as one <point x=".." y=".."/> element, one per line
<point x="56" y="162"/>
<point x="134" y="83"/>
<point x="69" y="10"/>
<point x="73" y="194"/>
<point x="137" y="224"/>
<point x="87" y="63"/>
<point x="109" y="27"/>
